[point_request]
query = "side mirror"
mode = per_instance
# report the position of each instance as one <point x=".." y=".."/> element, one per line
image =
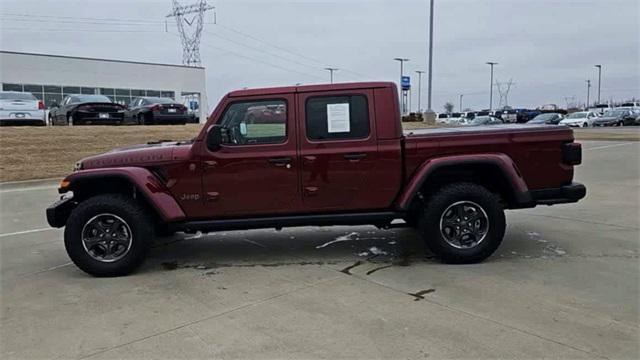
<point x="214" y="138"/>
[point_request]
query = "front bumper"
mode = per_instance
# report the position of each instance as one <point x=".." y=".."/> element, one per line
<point x="58" y="212"/>
<point x="562" y="195"/>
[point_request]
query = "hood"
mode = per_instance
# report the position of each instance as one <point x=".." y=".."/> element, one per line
<point x="150" y="154"/>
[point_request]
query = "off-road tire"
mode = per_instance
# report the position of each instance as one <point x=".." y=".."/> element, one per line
<point x="136" y="217"/>
<point x="436" y="205"/>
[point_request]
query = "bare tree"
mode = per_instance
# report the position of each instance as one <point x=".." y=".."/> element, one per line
<point x="448" y="107"/>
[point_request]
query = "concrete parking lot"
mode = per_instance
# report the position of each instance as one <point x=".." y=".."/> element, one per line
<point x="564" y="284"/>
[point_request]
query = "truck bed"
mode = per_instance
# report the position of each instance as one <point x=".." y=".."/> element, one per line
<point x="535" y="149"/>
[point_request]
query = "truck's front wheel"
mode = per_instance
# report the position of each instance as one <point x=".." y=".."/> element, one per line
<point x="108" y="235"/>
<point x="462" y="223"/>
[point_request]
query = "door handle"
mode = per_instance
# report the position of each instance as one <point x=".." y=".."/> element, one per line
<point x="281" y="161"/>
<point x="310" y="190"/>
<point x="309" y="159"/>
<point x="355" y="157"/>
<point x="210" y="164"/>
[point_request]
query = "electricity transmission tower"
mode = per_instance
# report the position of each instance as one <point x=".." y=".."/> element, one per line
<point x="192" y="16"/>
<point x="503" y="90"/>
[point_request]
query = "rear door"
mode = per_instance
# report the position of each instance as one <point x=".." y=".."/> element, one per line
<point x="255" y="171"/>
<point x="338" y="150"/>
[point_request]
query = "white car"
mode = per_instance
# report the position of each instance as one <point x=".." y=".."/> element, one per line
<point x="21" y="108"/>
<point x="580" y="119"/>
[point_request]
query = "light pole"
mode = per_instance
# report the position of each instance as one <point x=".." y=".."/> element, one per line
<point x="491" y="85"/>
<point x="331" y="70"/>
<point x="599" y="80"/>
<point x="461" y="95"/>
<point x="588" y="92"/>
<point x="419" y="72"/>
<point x="430" y="75"/>
<point x="402" y="92"/>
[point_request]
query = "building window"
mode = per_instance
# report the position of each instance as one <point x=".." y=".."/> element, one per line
<point x="108" y="92"/>
<point x="337" y="117"/>
<point x="53" y="89"/>
<point x="88" y="91"/>
<point x="138" y="93"/>
<point x="123" y="92"/>
<point x="69" y="90"/>
<point x="11" y="87"/>
<point x="153" y="93"/>
<point x="168" y="94"/>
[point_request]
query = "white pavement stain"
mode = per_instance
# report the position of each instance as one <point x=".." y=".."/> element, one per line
<point x="349" y="237"/>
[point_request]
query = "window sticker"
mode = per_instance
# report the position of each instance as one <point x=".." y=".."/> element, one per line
<point x="338" y="118"/>
<point x="243" y="128"/>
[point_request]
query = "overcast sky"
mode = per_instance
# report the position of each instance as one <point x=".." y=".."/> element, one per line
<point x="548" y="47"/>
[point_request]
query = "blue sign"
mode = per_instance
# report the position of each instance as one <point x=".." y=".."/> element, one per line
<point x="405" y="82"/>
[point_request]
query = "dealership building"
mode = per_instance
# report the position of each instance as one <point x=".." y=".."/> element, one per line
<point x="51" y="77"/>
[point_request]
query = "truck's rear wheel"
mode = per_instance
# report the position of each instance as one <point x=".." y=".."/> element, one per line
<point x="108" y="235"/>
<point x="462" y="223"/>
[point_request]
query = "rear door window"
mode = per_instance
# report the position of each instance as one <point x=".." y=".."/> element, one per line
<point x="337" y="117"/>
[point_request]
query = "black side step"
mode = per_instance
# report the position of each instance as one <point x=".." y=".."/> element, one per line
<point x="381" y="219"/>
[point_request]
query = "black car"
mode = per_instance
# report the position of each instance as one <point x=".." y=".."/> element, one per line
<point x="547" y="118"/>
<point x="157" y="110"/>
<point x="615" y="117"/>
<point x="86" y="109"/>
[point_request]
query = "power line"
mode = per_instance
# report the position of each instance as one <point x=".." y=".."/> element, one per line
<point x="282" y="48"/>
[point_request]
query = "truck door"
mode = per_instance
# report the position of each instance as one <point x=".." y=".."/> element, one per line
<point x="255" y="170"/>
<point x="338" y="150"/>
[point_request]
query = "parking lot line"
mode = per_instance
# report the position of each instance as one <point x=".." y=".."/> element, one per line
<point x="26" y="232"/>
<point x="29" y="189"/>
<point x="609" y="146"/>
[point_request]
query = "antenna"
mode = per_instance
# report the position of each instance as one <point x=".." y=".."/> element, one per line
<point x="194" y="25"/>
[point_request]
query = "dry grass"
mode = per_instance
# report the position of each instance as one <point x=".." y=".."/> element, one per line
<point x="44" y="152"/>
<point x="49" y="152"/>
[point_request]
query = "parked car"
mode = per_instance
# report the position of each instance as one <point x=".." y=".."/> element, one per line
<point x="580" y="119"/>
<point x="635" y="112"/>
<point x="457" y="118"/>
<point x="156" y="110"/>
<point x="484" y="120"/>
<point x="547" y="118"/>
<point x="616" y="117"/>
<point x="519" y="115"/>
<point x="442" y="119"/>
<point x="599" y="108"/>
<point x="266" y="114"/>
<point x="21" y="108"/>
<point x="340" y="157"/>
<point x="86" y="109"/>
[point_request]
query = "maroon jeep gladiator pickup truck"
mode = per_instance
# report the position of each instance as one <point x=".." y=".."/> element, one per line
<point x="334" y="155"/>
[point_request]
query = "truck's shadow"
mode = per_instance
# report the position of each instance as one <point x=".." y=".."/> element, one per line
<point x="321" y="246"/>
<point x="301" y="246"/>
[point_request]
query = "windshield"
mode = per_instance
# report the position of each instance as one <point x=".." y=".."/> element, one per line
<point x="443" y="116"/>
<point x="89" y="98"/>
<point x="577" y="115"/>
<point x="160" y="100"/>
<point x="16" y="96"/>
<point x="544" y="117"/>
<point x="456" y="115"/>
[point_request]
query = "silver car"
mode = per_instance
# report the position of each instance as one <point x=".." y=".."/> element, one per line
<point x="21" y="108"/>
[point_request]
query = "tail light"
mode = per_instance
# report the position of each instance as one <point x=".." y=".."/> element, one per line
<point x="572" y="153"/>
<point x="156" y="107"/>
<point x="40" y="105"/>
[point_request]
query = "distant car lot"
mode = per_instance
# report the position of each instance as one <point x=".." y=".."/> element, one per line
<point x="564" y="285"/>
